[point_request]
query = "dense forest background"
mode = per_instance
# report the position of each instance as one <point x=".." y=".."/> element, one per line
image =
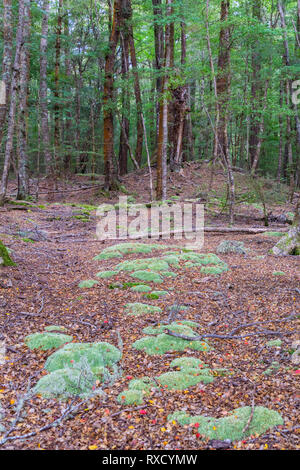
<point x="103" y="87"/>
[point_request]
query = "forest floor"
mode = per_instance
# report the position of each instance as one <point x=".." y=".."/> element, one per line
<point x="53" y="243"/>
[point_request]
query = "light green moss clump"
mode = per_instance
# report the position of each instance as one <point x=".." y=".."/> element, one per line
<point x="274" y="343"/>
<point x="182" y="328"/>
<point x="106" y="274"/>
<point x="66" y="383"/>
<point x="47" y="340"/>
<point x="96" y="355"/>
<point x="160" y="293"/>
<point x="145" y="384"/>
<point x="75" y="369"/>
<point x="278" y="273"/>
<point x="153" y="264"/>
<point x="138" y="308"/>
<point x="163" y="343"/>
<point x="55" y="328"/>
<point x="231" y="427"/>
<point x="130" y="397"/>
<point x="215" y="270"/>
<point x="88" y="284"/>
<point x="141" y="288"/>
<point x="183" y="379"/>
<point x="147" y="276"/>
<point x="186" y="362"/>
<point x="127" y="248"/>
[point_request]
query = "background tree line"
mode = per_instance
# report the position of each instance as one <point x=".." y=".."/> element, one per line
<point x="106" y="87"/>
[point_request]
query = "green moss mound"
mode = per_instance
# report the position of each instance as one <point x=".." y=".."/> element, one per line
<point x="147" y="276"/>
<point x="184" y="379"/>
<point x="185" y="362"/>
<point x="215" y="270"/>
<point x="141" y="288"/>
<point x="66" y="383"/>
<point x="182" y="328"/>
<point x="278" y="273"/>
<point x="88" y="284"/>
<point x="231" y="427"/>
<point x="55" y="328"/>
<point x="145" y="384"/>
<point x="47" y="340"/>
<point x="163" y="343"/>
<point x="106" y="274"/>
<point x="96" y="355"/>
<point x="128" y="248"/>
<point x="130" y="397"/>
<point x="153" y="264"/>
<point x="138" y="308"/>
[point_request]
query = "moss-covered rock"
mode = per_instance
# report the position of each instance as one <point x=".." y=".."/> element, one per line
<point x="47" y="340"/>
<point x="5" y="259"/>
<point x="231" y="427"/>
<point x="147" y="276"/>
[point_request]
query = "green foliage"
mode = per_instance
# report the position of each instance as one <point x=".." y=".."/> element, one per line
<point x="231" y="427"/>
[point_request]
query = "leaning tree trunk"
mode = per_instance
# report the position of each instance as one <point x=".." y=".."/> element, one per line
<point x="290" y="243"/>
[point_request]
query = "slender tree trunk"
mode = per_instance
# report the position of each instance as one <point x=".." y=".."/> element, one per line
<point x="57" y="137"/>
<point x="137" y="92"/>
<point x="159" y="53"/>
<point x="223" y="93"/>
<point x="43" y="91"/>
<point x="68" y="122"/>
<point x="13" y="102"/>
<point x="23" y="101"/>
<point x="108" y="92"/>
<point x="6" y="62"/>
<point x="125" y="125"/>
<point x="161" y="188"/>
<point x="256" y="94"/>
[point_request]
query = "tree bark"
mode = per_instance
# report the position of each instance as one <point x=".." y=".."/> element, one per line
<point x="108" y="92"/>
<point x="23" y="101"/>
<point x="161" y="176"/>
<point x="43" y="91"/>
<point x="6" y="62"/>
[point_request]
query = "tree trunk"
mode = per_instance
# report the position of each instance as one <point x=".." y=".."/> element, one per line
<point x="43" y="91"/>
<point x="57" y="138"/>
<point x="23" y="101"/>
<point x="223" y="94"/>
<point x="108" y="92"/>
<point x="161" y="188"/>
<point x="6" y="62"/>
<point x="13" y="102"/>
<point x="125" y="125"/>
